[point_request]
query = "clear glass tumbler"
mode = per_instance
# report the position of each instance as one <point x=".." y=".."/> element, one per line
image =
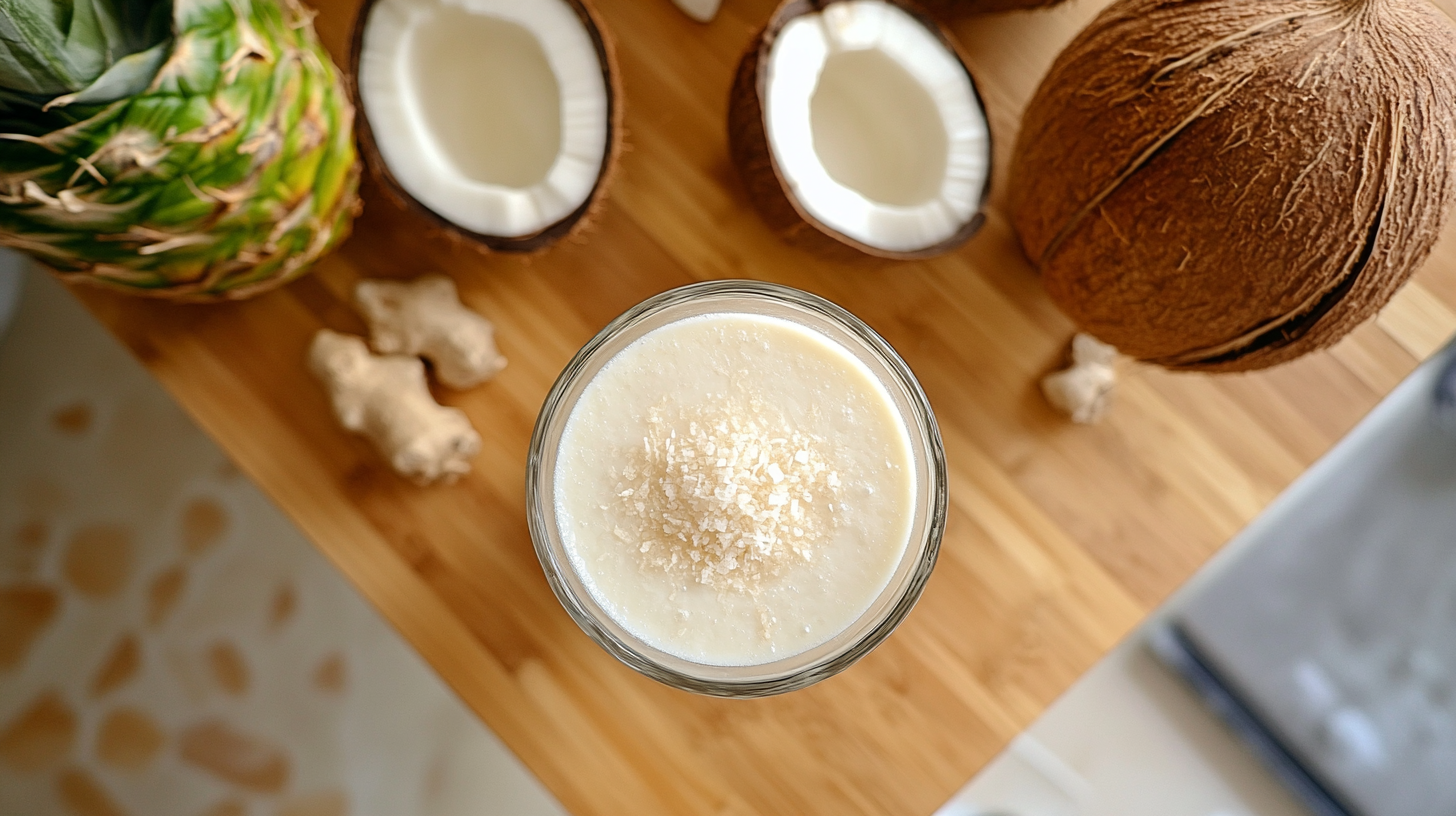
<point x="884" y="613"/>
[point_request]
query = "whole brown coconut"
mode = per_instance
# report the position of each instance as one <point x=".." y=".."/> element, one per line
<point x="1230" y="184"/>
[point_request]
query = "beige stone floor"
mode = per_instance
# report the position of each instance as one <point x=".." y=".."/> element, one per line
<point x="170" y="645"/>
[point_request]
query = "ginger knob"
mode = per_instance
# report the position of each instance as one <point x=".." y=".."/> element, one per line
<point x="425" y="318"/>
<point x="386" y="400"/>
<point x="701" y="10"/>
<point x="1084" y="391"/>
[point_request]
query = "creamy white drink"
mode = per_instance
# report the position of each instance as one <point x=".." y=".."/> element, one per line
<point x="734" y="489"/>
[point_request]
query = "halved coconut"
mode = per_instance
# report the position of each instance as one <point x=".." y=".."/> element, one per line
<point x="499" y="118"/>
<point x="856" y="125"/>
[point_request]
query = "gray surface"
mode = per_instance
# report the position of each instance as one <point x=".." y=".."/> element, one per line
<point x="1337" y="619"/>
<point x="12" y="276"/>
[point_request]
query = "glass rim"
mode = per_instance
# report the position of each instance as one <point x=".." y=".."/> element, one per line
<point x="932" y="507"/>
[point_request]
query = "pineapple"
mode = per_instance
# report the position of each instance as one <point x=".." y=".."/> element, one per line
<point x="195" y="149"/>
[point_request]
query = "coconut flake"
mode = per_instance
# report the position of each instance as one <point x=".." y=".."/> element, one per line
<point x="733" y="522"/>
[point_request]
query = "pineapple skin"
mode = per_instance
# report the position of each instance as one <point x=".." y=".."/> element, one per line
<point x="229" y="175"/>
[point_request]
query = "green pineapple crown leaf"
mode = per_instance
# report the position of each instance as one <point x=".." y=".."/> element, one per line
<point x="230" y="171"/>
<point x="86" y="51"/>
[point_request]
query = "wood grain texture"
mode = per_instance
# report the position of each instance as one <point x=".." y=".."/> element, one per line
<point x="1061" y="538"/>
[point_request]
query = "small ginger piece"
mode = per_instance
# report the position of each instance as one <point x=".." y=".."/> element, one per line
<point x="386" y="400"/>
<point x="1084" y="391"/>
<point x="425" y="318"/>
<point x="701" y="10"/>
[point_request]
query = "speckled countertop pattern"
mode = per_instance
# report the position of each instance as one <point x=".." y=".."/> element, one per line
<point x="170" y="645"/>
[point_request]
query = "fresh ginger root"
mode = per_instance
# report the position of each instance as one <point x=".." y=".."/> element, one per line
<point x="386" y="399"/>
<point x="1084" y="391"/>
<point x="425" y="318"/>
<point x="701" y="10"/>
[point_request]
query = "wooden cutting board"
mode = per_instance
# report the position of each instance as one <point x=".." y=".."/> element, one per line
<point x="1061" y="538"/>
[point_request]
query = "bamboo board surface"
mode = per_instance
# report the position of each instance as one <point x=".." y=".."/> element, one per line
<point x="1060" y="539"/>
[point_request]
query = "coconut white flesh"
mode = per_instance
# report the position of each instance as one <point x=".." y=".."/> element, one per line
<point x="701" y="10"/>
<point x="875" y="126"/>
<point x="491" y="113"/>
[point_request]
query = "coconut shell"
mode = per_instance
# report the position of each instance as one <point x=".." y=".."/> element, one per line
<point x="1230" y="184"/>
<point x="576" y="222"/>
<point x="768" y="190"/>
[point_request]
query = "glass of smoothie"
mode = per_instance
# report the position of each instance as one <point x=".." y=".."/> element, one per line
<point x="737" y="488"/>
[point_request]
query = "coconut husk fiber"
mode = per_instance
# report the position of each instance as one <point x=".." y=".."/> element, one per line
<point x="1230" y="184"/>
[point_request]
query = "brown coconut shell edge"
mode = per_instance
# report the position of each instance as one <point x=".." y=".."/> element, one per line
<point x="768" y="190"/>
<point x="1294" y="335"/>
<point x="575" y="222"/>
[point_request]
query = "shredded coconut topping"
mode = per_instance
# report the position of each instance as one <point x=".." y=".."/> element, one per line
<point x="730" y="502"/>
